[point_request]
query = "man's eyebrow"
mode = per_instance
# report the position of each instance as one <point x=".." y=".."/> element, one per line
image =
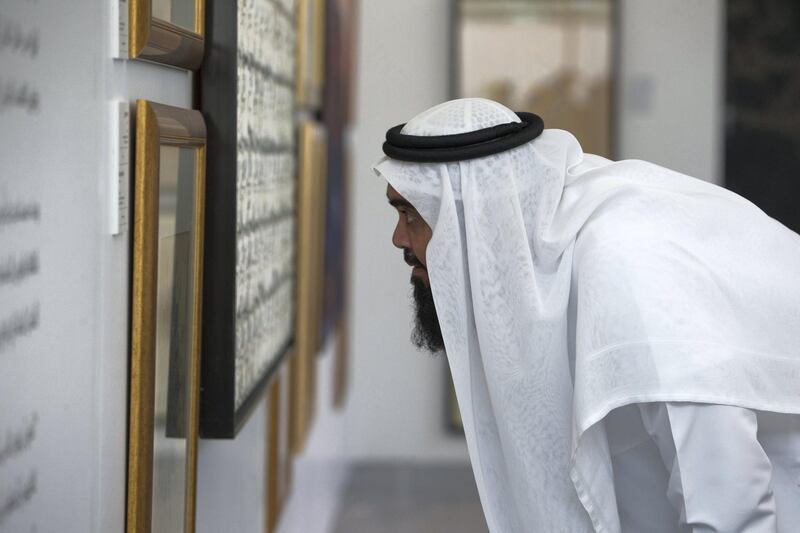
<point x="399" y="202"/>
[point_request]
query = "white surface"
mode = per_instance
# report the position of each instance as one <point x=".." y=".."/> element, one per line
<point x="322" y="471"/>
<point x="231" y="479"/>
<point x="705" y="467"/>
<point x="671" y="85"/>
<point x="119" y="30"/>
<point x="397" y="394"/>
<point x="120" y="175"/>
<point x="231" y="473"/>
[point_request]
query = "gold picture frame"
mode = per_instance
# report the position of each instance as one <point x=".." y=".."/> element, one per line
<point x="167" y="31"/>
<point x="273" y="500"/>
<point x="279" y="456"/>
<point x="166" y="300"/>
<point x="311" y="190"/>
<point x="285" y="457"/>
<point x="310" y="62"/>
<point x="341" y="367"/>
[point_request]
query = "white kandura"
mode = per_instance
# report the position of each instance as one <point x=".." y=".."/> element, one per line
<point x="568" y="285"/>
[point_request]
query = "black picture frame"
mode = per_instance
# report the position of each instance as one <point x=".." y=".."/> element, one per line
<point x="219" y="98"/>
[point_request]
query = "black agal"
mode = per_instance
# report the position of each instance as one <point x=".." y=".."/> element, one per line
<point x="461" y="146"/>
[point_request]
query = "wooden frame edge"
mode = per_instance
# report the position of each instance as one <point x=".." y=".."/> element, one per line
<point x="158" y="125"/>
<point x="310" y="224"/>
<point x="139" y="26"/>
<point x="341" y="378"/>
<point x="300" y="409"/>
<point x="160" y="41"/>
<point x="142" y="388"/>
<point x="274" y="501"/>
<point x="194" y="413"/>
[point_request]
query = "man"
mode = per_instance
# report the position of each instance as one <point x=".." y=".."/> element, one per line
<point x="624" y="340"/>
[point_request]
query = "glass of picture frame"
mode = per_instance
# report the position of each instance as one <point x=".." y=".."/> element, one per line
<point x="166" y="313"/>
<point x="167" y="31"/>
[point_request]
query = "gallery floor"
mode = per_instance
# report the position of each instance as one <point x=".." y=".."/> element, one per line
<point x="411" y="499"/>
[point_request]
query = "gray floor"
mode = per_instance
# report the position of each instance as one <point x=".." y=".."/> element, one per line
<point x="411" y="499"/>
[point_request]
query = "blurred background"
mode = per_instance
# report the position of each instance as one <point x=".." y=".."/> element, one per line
<point x="710" y="88"/>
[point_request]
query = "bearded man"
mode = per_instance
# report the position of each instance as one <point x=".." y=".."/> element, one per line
<point x="624" y="340"/>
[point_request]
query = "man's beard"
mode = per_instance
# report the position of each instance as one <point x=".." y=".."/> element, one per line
<point x="427" y="334"/>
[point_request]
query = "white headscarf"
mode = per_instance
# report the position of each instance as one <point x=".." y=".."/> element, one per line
<point x="568" y="285"/>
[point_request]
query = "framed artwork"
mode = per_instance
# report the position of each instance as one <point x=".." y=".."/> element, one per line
<point x="552" y="58"/>
<point x="279" y="458"/>
<point x="247" y="97"/>
<point x="310" y="235"/>
<point x="273" y="501"/>
<point x="341" y="365"/>
<point x="762" y="105"/>
<point x="285" y="475"/>
<point x="167" y="31"/>
<point x="336" y="113"/>
<point x="165" y="318"/>
<point x="310" y="53"/>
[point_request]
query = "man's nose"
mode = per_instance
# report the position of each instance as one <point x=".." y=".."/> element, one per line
<point x="400" y="237"/>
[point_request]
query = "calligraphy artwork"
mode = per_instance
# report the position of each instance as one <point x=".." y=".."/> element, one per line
<point x="248" y="99"/>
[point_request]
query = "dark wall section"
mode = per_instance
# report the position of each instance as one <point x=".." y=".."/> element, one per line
<point x="762" y="148"/>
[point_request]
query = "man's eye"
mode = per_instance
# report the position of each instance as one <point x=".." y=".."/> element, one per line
<point x="410" y="217"/>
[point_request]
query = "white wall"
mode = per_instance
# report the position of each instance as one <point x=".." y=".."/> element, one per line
<point x="231" y="479"/>
<point x="231" y="473"/>
<point x="671" y="85"/>
<point x="396" y="400"/>
<point x="321" y="473"/>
